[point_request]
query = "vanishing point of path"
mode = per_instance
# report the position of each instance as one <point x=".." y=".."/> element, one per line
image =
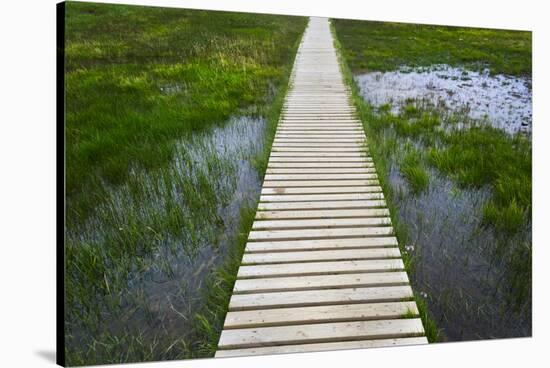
<point x="322" y="269"/>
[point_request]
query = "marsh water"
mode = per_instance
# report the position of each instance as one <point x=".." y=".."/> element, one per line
<point x="504" y="101"/>
<point x="464" y="269"/>
<point x="210" y="180"/>
<point x="459" y="265"/>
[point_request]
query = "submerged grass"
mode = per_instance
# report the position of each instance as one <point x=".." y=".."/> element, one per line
<point x="154" y="220"/>
<point x="386" y="46"/>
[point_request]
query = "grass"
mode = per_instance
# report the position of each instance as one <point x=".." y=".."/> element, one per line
<point x="386" y="46"/>
<point x="140" y="77"/>
<point x="153" y="224"/>
<point x="414" y="172"/>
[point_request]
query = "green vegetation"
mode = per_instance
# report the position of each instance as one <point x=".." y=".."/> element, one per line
<point x="387" y="46"/>
<point x="153" y="233"/>
<point x="140" y="77"/>
<point x="413" y="171"/>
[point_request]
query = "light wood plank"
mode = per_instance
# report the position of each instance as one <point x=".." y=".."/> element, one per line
<point x="320" y="223"/>
<point x="320" y="244"/>
<point x="321" y="190"/>
<point x="319" y="297"/>
<point x="320" y="268"/>
<point x="325" y="332"/>
<point x="319" y="255"/>
<point x="287" y="177"/>
<point x="319" y="314"/>
<point x="341" y="170"/>
<point x="334" y="165"/>
<point x="320" y="205"/>
<point x="330" y="346"/>
<point x="315" y="159"/>
<point x="296" y="283"/>
<point x="317" y="154"/>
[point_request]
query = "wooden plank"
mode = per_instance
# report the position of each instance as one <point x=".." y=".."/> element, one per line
<point x="296" y="283"/>
<point x="320" y="223"/>
<point x="319" y="314"/>
<point x="301" y="170"/>
<point x="347" y="146"/>
<point x="324" y="150"/>
<point x="320" y="244"/>
<point x="275" y="206"/>
<point x="320" y="233"/>
<point x="319" y="255"/>
<point x="321" y="190"/>
<point x="319" y="183"/>
<point x="322" y="197"/>
<point x="306" y="138"/>
<point x="330" y="346"/>
<point x="314" y="159"/>
<point x="317" y="154"/>
<point x="319" y="297"/>
<point x="333" y="165"/>
<point x="320" y="268"/>
<point x="287" y="177"/>
<point x="316" y="333"/>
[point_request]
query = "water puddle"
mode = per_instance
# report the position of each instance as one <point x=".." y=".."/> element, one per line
<point x="503" y="101"/>
<point x="182" y="220"/>
<point x="459" y="267"/>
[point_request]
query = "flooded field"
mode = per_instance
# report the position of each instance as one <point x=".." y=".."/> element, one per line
<point x="459" y="265"/>
<point x="182" y="221"/>
<point x="474" y="271"/>
<point x="503" y="101"/>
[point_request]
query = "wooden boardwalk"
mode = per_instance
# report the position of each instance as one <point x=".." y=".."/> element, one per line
<point x="321" y="269"/>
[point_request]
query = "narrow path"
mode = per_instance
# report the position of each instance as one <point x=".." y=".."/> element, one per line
<point x="321" y="269"/>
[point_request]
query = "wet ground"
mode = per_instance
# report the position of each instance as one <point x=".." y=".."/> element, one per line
<point x="459" y="267"/>
<point x="164" y="289"/>
<point x="504" y="101"/>
<point x="464" y="269"/>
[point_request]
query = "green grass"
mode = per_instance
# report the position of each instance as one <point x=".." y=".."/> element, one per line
<point x="143" y="84"/>
<point x="485" y="156"/>
<point x="386" y="46"/>
<point x="140" y="77"/>
<point x="413" y="171"/>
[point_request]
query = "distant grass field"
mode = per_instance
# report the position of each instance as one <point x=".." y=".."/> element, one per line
<point x="148" y="191"/>
<point x="385" y="46"/>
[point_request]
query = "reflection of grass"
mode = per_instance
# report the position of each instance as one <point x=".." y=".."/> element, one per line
<point x="386" y="46"/>
<point x="138" y="81"/>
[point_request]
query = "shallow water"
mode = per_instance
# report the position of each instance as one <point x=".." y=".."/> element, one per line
<point x="458" y="264"/>
<point x="504" y="101"/>
<point x="164" y="288"/>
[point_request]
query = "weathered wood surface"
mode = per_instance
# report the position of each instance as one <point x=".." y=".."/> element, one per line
<point x="322" y="269"/>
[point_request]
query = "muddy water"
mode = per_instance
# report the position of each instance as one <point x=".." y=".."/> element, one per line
<point x="459" y="265"/>
<point x="164" y="288"/>
<point x="503" y="101"/>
